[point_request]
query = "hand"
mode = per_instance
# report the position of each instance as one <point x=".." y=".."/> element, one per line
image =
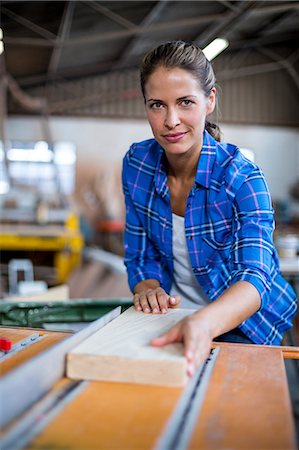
<point x="196" y="336"/>
<point x="155" y="300"/>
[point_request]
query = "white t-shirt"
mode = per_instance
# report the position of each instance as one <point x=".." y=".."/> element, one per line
<point x="184" y="284"/>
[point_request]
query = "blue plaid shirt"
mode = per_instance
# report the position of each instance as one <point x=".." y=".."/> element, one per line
<point x="228" y="226"/>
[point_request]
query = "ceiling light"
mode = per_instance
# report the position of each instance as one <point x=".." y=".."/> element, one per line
<point x="1" y="42"/>
<point x="215" y="47"/>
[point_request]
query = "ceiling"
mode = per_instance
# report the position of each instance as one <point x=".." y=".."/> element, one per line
<point x="62" y="40"/>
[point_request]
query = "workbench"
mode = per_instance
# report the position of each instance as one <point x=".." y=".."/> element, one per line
<point x="245" y="403"/>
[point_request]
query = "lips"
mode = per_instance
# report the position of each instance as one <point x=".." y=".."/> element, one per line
<point x="174" y="137"/>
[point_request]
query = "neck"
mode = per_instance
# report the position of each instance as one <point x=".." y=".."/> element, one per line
<point x="182" y="166"/>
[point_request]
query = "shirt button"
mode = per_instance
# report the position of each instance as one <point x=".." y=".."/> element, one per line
<point x="188" y="205"/>
<point x="190" y="237"/>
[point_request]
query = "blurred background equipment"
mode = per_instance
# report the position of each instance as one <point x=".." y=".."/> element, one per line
<point x="38" y="219"/>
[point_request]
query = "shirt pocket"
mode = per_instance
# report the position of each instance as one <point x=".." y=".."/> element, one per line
<point x="217" y="249"/>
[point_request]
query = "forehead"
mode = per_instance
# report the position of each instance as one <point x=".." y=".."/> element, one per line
<point x="174" y="81"/>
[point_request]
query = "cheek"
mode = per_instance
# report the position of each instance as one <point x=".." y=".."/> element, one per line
<point x="196" y="120"/>
<point x="155" y="121"/>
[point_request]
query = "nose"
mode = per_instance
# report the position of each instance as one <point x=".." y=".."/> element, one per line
<point x="172" y="118"/>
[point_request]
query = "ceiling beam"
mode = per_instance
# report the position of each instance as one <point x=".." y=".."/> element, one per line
<point x="63" y="33"/>
<point x="247" y="71"/>
<point x="108" y="36"/>
<point x="103" y="37"/>
<point x="91" y="69"/>
<point x="110" y="14"/>
<point x="150" y="19"/>
<point x="284" y="63"/>
<point x="28" y="24"/>
<point x="228" y="5"/>
<point x="226" y="24"/>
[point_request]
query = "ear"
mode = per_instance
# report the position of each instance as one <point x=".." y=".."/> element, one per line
<point x="211" y="101"/>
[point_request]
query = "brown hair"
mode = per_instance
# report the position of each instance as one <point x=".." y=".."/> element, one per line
<point x="185" y="56"/>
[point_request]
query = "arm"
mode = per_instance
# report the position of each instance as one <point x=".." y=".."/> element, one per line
<point x="251" y="262"/>
<point x="198" y="330"/>
<point x="142" y="259"/>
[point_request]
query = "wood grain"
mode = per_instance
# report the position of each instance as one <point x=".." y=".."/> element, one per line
<point x="122" y="352"/>
<point x="116" y="416"/>
<point x="247" y="405"/>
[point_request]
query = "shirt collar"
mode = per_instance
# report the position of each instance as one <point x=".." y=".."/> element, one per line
<point x="206" y="160"/>
<point x="160" y="177"/>
<point x="204" y="167"/>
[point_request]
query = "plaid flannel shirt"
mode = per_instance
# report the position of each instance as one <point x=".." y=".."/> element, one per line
<point x="228" y="226"/>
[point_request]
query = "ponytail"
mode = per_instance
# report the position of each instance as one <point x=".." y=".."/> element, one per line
<point x="213" y="130"/>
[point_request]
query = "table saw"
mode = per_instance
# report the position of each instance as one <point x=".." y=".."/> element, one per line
<point x="237" y="399"/>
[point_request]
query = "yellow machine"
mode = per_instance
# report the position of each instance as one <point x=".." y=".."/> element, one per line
<point x="38" y="221"/>
<point x="49" y="236"/>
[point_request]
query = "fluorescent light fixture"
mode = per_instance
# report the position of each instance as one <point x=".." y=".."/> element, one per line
<point x="215" y="47"/>
<point x="1" y="42"/>
<point x="29" y="155"/>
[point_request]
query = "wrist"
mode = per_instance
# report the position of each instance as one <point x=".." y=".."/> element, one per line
<point x="145" y="285"/>
<point x="205" y="323"/>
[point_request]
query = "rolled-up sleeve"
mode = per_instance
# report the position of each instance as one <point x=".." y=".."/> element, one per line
<point x="142" y="259"/>
<point x="252" y="249"/>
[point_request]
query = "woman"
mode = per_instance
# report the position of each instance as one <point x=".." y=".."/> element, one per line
<point x="199" y="219"/>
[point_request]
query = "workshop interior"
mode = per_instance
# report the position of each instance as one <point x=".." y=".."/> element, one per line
<point x="70" y="107"/>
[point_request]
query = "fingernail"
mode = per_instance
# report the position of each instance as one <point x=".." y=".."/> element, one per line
<point x="190" y="370"/>
<point x="189" y="355"/>
<point x="172" y="300"/>
<point x="155" y="311"/>
<point x="164" y="311"/>
<point x="146" y="310"/>
<point x="139" y="308"/>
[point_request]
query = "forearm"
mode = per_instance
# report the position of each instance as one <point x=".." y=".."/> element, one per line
<point x="235" y="305"/>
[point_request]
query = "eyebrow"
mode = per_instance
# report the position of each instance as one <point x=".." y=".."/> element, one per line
<point x="180" y="98"/>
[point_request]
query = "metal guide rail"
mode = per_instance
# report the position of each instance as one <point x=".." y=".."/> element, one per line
<point x="21" y="345"/>
<point x="179" y="429"/>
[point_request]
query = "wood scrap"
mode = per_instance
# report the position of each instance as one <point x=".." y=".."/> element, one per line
<point x="121" y="351"/>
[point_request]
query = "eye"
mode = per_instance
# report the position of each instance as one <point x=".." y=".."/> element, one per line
<point x="186" y="102"/>
<point x="156" y="105"/>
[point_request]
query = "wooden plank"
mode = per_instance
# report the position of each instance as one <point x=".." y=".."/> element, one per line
<point x="37" y="376"/>
<point x="247" y="404"/>
<point x="121" y="351"/>
<point x="111" y="416"/>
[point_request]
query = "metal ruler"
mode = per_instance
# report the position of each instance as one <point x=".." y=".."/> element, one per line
<point x="178" y="431"/>
<point x="21" y="345"/>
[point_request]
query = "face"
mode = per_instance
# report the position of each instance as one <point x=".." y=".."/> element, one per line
<point x="176" y="109"/>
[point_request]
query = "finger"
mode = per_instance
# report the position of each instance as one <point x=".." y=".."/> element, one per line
<point x="136" y="302"/>
<point x="153" y="302"/>
<point x="144" y="303"/>
<point x="162" y="300"/>
<point x="201" y="354"/>
<point x="190" y="348"/>
<point x="174" y="301"/>
<point x="173" y="335"/>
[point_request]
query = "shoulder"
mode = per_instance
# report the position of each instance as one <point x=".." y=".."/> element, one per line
<point x="141" y="161"/>
<point x="145" y="151"/>
<point x="234" y="166"/>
